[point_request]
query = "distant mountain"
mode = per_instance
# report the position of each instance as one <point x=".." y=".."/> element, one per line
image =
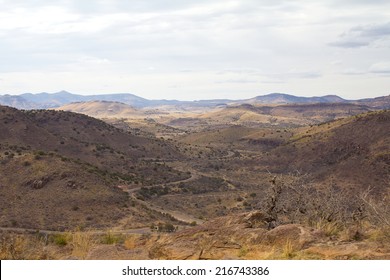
<point x="281" y="98"/>
<point x="17" y="101"/>
<point x="382" y="102"/>
<point x="47" y="100"/>
<point x="54" y="100"/>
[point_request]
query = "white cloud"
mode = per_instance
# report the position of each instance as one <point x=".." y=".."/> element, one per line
<point x="210" y="48"/>
<point x="353" y="71"/>
<point x="380" y="68"/>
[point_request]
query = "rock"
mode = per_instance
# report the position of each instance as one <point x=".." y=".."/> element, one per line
<point x="38" y="183"/>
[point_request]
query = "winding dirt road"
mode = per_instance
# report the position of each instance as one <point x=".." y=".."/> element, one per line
<point x="180" y="216"/>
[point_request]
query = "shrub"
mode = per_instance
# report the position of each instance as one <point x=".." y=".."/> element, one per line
<point x="166" y="227"/>
<point x="110" y="238"/>
<point x="61" y="239"/>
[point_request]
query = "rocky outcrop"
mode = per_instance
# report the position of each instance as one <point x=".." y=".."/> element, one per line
<point x="230" y="238"/>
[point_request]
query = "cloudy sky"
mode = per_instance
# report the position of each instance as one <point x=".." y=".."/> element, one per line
<point x="196" y="49"/>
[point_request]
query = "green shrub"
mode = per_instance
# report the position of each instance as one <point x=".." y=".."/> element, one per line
<point x="110" y="238"/>
<point x="60" y="239"/>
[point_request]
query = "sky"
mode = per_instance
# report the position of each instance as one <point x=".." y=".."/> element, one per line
<point x="196" y="49"/>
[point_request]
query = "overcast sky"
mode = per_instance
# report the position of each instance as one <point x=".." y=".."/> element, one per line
<point x="196" y="49"/>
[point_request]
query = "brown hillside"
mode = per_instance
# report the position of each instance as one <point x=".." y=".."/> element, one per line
<point x="86" y="139"/>
<point x="61" y="170"/>
<point x="353" y="151"/>
<point x="283" y="115"/>
<point x="101" y="109"/>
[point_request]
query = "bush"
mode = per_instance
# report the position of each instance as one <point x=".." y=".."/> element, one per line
<point x="61" y="239"/>
<point x="110" y="238"/>
<point x="166" y="227"/>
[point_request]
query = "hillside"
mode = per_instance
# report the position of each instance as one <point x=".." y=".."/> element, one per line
<point x="352" y="152"/>
<point x="102" y="109"/>
<point x="260" y="116"/>
<point x="61" y="169"/>
<point x="382" y="102"/>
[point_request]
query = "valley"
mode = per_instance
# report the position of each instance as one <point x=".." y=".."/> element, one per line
<point x="243" y="180"/>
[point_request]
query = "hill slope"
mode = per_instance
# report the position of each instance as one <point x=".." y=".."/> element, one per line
<point x="355" y="151"/>
<point x="284" y="115"/>
<point x="61" y="169"/>
<point x="102" y="109"/>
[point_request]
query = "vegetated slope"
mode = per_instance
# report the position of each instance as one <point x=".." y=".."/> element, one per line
<point x="353" y="152"/>
<point x="382" y="102"/>
<point x="102" y="109"/>
<point x="61" y="169"/>
<point x="83" y="138"/>
<point x="318" y="112"/>
<point x="292" y="114"/>
<point x="45" y="192"/>
<point x="222" y="136"/>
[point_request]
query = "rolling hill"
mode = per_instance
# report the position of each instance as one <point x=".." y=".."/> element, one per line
<point x="351" y="152"/>
<point x="61" y="170"/>
<point x="102" y="109"/>
<point x="289" y="115"/>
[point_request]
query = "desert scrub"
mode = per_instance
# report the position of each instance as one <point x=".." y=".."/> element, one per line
<point x="329" y="228"/>
<point x="61" y="239"/>
<point x="13" y="247"/>
<point x="111" y="238"/>
<point x="288" y="250"/>
<point x="82" y="243"/>
<point x="133" y="241"/>
<point x="22" y="247"/>
<point x="243" y="251"/>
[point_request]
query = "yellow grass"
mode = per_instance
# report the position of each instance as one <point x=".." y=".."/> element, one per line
<point x="82" y="243"/>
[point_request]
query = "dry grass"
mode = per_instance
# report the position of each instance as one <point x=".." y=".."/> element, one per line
<point x="23" y="247"/>
<point x="329" y="228"/>
<point x="380" y="235"/>
<point x="13" y="247"/>
<point x="288" y="250"/>
<point x="82" y="243"/>
<point x="243" y="251"/>
<point x="132" y="241"/>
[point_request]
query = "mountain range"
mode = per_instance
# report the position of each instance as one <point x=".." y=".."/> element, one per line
<point x="54" y="100"/>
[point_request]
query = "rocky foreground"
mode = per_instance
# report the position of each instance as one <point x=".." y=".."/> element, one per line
<point x="246" y="236"/>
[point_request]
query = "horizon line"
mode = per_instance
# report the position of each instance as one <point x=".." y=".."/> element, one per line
<point x="194" y="100"/>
